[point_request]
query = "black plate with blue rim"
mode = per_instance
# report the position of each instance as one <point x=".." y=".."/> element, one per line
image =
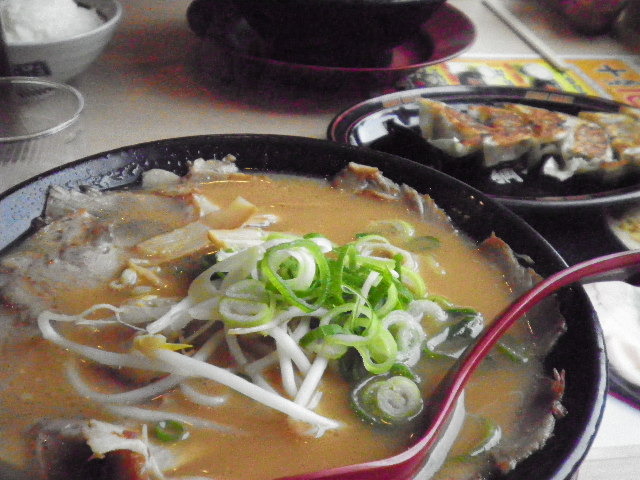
<point x="579" y="352"/>
<point x="388" y="123"/>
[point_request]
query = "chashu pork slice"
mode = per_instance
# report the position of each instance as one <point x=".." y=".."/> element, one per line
<point x="88" y="449"/>
<point x="85" y="237"/>
<point x="133" y="216"/>
<point x="75" y="250"/>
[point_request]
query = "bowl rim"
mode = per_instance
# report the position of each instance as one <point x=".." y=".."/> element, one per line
<point x="126" y="163"/>
<point x="108" y="25"/>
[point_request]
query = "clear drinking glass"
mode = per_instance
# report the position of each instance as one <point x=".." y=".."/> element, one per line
<point x="40" y="127"/>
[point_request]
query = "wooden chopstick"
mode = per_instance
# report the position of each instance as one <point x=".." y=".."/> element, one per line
<point x="526" y="34"/>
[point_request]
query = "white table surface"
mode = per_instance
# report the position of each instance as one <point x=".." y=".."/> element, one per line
<point x="147" y="85"/>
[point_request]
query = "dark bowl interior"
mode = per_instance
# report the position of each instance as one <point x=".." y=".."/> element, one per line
<point x="332" y="32"/>
<point x="580" y="351"/>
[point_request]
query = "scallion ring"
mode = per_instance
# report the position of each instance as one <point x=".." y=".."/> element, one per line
<point x="310" y="299"/>
<point x="170" y="431"/>
<point x="387" y="401"/>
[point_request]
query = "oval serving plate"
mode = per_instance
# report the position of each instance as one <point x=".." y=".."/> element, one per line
<point x="579" y="352"/>
<point x="374" y="123"/>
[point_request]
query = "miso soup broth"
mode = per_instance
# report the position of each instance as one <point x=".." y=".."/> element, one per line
<point x="242" y="438"/>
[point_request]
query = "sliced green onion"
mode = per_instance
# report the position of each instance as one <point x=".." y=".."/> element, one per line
<point x="309" y="300"/>
<point x="337" y="269"/>
<point x="423" y="243"/>
<point x="490" y="436"/>
<point x="433" y="264"/>
<point x="387" y="401"/>
<point x="514" y="351"/>
<point x="238" y="312"/>
<point x="408" y="335"/>
<point x="469" y="328"/>
<point x="370" y="238"/>
<point x="452" y="340"/>
<point x="377" y="264"/>
<point x="383" y="347"/>
<point x="441" y="301"/>
<point x="249" y="289"/>
<point x="170" y="431"/>
<point x="380" y="354"/>
<point x="320" y="333"/>
<point x="280" y="236"/>
<point x="390" y="300"/>
<point x="317" y="340"/>
<point x="432" y="354"/>
<point x="414" y="282"/>
<point x="461" y="310"/>
<point x="400" y="228"/>
<point x="402" y="370"/>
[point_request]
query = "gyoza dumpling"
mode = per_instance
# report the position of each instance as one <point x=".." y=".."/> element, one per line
<point x="500" y="135"/>
<point x="450" y="130"/>
<point x="510" y="137"/>
<point x="585" y="149"/>
<point x="623" y="131"/>
<point x="549" y="127"/>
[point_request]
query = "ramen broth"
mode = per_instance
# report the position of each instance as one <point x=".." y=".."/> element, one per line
<point x="34" y="386"/>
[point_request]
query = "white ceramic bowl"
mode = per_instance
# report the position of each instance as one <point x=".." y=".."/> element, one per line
<point x="62" y="60"/>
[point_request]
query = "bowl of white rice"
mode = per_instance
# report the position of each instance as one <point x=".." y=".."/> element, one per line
<point x="57" y="39"/>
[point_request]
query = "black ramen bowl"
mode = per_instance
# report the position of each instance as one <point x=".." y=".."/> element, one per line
<point x="579" y="352"/>
<point x="340" y="33"/>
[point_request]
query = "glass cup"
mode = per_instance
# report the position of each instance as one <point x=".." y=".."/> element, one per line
<point x="39" y="127"/>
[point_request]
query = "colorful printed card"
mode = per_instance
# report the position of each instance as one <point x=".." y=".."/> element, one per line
<point x="614" y="78"/>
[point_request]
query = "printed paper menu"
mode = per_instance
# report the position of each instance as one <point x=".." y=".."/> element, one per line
<point x="614" y="78"/>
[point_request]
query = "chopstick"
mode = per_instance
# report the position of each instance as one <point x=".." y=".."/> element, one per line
<point x="526" y="34"/>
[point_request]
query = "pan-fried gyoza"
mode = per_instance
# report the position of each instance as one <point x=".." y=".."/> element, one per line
<point x="559" y="145"/>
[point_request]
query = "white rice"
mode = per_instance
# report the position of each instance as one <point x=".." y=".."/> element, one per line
<point x="27" y="21"/>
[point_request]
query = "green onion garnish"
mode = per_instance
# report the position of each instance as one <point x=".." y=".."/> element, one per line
<point x="309" y="278"/>
<point x="170" y="431"/>
<point x="355" y="286"/>
<point x="387" y="401"/>
<point x="423" y="244"/>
